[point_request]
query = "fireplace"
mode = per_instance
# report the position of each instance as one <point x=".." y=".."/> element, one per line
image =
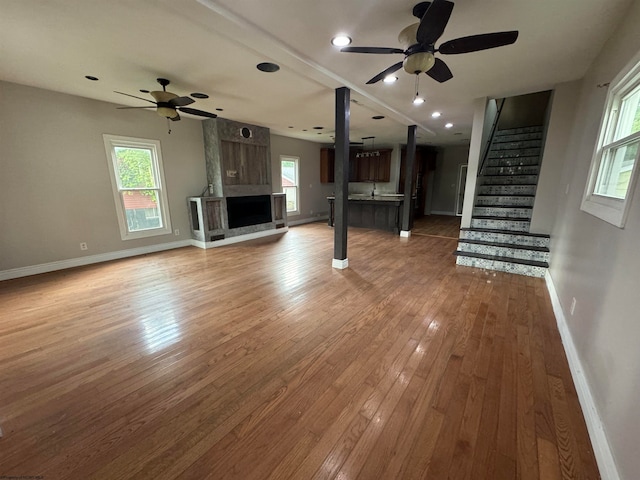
<point x="248" y="210"/>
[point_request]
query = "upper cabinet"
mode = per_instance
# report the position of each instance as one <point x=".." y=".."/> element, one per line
<point x="361" y="168"/>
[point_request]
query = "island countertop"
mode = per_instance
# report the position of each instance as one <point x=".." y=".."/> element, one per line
<point x="382" y="212"/>
<point x="376" y="198"/>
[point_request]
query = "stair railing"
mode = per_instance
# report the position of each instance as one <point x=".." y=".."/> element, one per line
<point x="491" y="135"/>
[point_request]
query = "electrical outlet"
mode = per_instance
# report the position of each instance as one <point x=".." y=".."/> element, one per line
<point x="83" y="246"/>
<point x="573" y="305"/>
<point x="176" y="232"/>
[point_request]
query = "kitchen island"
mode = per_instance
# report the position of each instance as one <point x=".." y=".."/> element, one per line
<point x="381" y="212"/>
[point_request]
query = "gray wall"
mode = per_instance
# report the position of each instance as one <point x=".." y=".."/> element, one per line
<point x="313" y="194"/>
<point x="55" y="190"/>
<point x="598" y="264"/>
<point x="445" y="181"/>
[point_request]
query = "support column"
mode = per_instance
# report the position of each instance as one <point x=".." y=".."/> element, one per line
<point x="407" y="209"/>
<point x="343" y="95"/>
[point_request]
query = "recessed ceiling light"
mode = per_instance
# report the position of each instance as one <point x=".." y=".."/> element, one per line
<point x="199" y="95"/>
<point x="418" y="101"/>
<point x="341" y="40"/>
<point x="390" y="79"/>
<point x="290" y="126"/>
<point x="448" y="125"/>
<point x="304" y="129"/>
<point x="377" y="117"/>
<point x="436" y="114"/>
<point x="268" y="67"/>
<point x="220" y="109"/>
<point x="92" y="78"/>
<point x="318" y="128"/>
<point x="144" y="91"/>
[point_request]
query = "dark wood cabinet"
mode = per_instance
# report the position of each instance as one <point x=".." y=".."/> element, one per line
<point x="361" y="168"/>
<point x="425" y="162"/>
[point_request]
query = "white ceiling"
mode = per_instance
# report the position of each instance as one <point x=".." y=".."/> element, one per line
<point x="214" y="46"/>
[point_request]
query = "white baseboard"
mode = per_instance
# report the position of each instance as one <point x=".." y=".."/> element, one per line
<point x="405" y="233"/>
<point x="88" y="260"/>
<point x="239" y="238"/>
<point x="601" y="447"/>
<point x="293" y="223"/>
<point x="340" y="264"/>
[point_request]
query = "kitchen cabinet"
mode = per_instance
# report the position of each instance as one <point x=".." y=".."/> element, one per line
<point x="361" y="168"/>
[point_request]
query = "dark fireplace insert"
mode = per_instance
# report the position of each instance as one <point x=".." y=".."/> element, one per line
<point x="249" y="210"/>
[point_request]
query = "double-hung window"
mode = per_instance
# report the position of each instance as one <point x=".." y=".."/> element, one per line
<point x="290" y="180"/>
<point x="138" y="185"/>
<point x="614" y="167"/>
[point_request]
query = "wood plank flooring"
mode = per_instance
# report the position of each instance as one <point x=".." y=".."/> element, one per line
<point x="437" y="226"/>
<point x="260" y="361"/>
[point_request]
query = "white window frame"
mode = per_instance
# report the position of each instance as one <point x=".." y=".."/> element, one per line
<point x="110" y="143"/>
<point x="296" y="160"/>
<point x="610" y="209"/>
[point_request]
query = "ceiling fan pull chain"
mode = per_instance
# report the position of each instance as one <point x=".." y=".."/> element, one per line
<point x="169" y="126"/>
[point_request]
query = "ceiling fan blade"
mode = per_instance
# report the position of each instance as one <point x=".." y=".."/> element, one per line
<point x="126" y="108"/>
<point x="388" y="71"/>
<point x="371" y="50"/>
<point x="440" y="71"/>
<point x="434" y="21"/>
<point x="476" y="43"/>
<point x="194" y="111"/>
<point x="139" y="98"/>
<point x="180" y="101"/>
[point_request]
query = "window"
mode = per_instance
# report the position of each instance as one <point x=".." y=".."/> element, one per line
<point x="614" y="165"/>
<point x="290" y="182"/>
<point x="138" y="186"/>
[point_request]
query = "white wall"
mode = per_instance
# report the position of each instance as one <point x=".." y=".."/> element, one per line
<point x="313" y="194"/>
<point x="55" y="190"/>
<point x="598" y="264"/>
<point x="445" y="181"/>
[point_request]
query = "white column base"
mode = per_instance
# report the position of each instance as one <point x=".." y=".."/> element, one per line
<point x="341" y="264"/>
<point x="405" y="233"/>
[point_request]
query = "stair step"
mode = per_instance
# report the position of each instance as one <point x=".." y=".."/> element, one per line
<point x="514" y="153"/>
<point x="506" y="189"/>
<point x="511" y="212"/>
<point x="501" y="223"/>
<point x="513" y="161"/>
<point x="516" y="137"/>
<point x="493" y="235"/>
<point x="514" y="131"/>
<point x="522" y="179"/>
<point x="504" y="201"/>
<point x="534" y="248"/>
<point x="516" y="145"/>
<point x="508" y="265"/>
<point x="522" y="252"/>
<point x="511" y="170"/>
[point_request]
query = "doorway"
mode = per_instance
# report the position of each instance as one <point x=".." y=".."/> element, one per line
<point x="462" y="182"/>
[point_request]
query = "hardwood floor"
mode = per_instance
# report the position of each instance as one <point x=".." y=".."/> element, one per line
<point x="437" y="226"/>
<point x="263" y="362"/>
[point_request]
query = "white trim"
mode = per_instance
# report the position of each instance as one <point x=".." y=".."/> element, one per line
<point x="340" y="264"/>
<point x="91" y="259"/>
<point x="405" y="233"/>
<point x="239" y="238"/>
<point x="601" y="447"/>
<point x="293" y="223"/>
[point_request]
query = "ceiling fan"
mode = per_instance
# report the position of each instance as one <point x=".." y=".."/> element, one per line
<point x="167" y="104"/>
<point x="420" y="38"/>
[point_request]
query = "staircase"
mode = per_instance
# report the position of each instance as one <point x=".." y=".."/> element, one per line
<point x="499" y="237"/>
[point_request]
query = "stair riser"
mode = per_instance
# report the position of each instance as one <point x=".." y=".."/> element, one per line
<point x="518" y="131"/>
<point x="502" y="212"/>
<point x="516" y="268"/>
<point x="504" y="252"/>
<point x="519" y="145"/>
<point x="525" y="152"/>
<point x="518" y="137"/>
<point x="507" y="189"/>
<point x="504" y="200"/>
<point x="509" y="180"/>
<point x="512" y="170"/>
<point x="511" y="225"/>
<point x="513" y="238"/>
<point x="513" y="161"/>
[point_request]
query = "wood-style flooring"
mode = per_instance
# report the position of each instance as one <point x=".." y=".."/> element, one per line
<point x="262" y="362"/>
<point x="437" y="226"/>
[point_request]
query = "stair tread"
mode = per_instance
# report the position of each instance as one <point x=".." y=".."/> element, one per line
<point x="505" y="195"/>
<point x="507" y="232"/>
<point x="507" y="184"/>
<point x="490" y="217"/>
<point x="498" y="258"/>
<point x="504" y="245"/>
<point x="511" y="175"/>
<point x="527" y="207"/>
